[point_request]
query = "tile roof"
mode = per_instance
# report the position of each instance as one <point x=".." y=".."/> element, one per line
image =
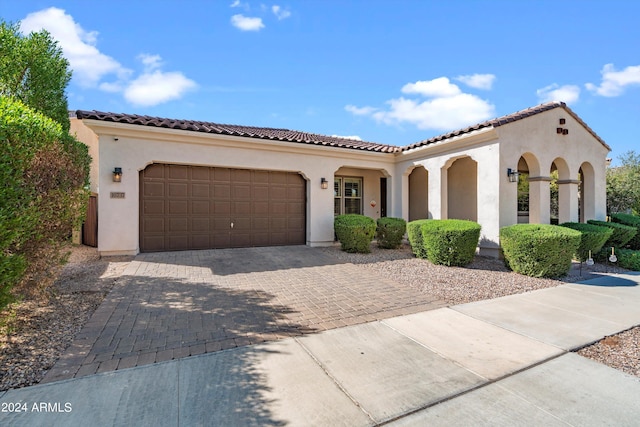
<point x="287" y="135"/>
<point x="500" y="121"/>
<point x="284" y="135"/>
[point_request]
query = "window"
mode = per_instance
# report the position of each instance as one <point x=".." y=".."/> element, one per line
<point x="347" y="193"/>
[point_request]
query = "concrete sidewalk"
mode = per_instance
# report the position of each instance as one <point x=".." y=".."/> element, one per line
<point x="499" y="362"/>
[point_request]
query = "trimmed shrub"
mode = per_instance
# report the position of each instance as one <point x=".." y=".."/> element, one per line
<point x="450" y="242"/>
<point x="414" y="232"/>
<point x="621" y="233"/>
<point x="355" y="232"/>
<point x="593" y="238"/>
<point x="631" y="221"/>
<point x="539" y="250"/>
<point x="390" y="232"/>
<point x="629" y="259"/>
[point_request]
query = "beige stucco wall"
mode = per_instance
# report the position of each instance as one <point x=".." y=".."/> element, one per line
<point x="134" y="147"/>
<point x="537" y="140"/>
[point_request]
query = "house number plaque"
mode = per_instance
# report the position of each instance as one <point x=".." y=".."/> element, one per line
<point x="117" y="195"/>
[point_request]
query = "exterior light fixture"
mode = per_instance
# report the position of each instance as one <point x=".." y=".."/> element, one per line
<point x="117" y="174"/>
<point x="324" y="184"/>
<point x="513" y="175"/>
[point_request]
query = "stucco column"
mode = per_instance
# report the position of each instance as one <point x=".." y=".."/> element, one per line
<point x="437" y="193"/>
<point x="568" y="200"/>
<point x="539" y="200"/>
<point x="405" y="196"/>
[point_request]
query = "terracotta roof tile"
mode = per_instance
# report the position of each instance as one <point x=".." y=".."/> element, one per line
<point x="284" y="135"/>
<point x="509" y="118"/>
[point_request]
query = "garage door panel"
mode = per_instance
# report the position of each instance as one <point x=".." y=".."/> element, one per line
<point x="178" y="172"/>
<point x="154" y="189"/>
<point x="178" y="207"/>
<point x="200" y="207"/>
<point x="200" y="174"/>
<point x="200" y="190"/>
<point x="178" y="189"/>
<point x="193" y="207"/>
<point x="200" y="225"/>
<point x="178" y="224"/>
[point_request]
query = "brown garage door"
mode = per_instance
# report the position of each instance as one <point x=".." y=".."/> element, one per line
<point x="192" y="207"/>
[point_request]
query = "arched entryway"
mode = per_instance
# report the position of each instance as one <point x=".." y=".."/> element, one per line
<point x="418" y="193"/>
<point x="586" y="192"/>
<point x="462" y="189"/>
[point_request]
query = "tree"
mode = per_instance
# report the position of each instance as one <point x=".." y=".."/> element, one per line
<point x="623" y="185"/>
<point x="34" y="71"/>
<point x="43" y="169"/>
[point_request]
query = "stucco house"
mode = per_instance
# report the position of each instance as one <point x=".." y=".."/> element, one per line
<point x="166" y="184"/>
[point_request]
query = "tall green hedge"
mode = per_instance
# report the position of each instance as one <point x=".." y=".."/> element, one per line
<point x="592" y="239"/>
<point x="355" y="232"/>
<point x="631" y="221"/>
<point x="451" y="242"/>
<point x="390" y="232"/>
<point x="622" y="234"/>
<point x="539" y="250"/>
<point x="42" y="171"/>
<point x="414" y="232"/>
<point x="629" y="259"/>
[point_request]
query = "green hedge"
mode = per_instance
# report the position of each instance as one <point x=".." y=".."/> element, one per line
<point x="539" y="250"/>
<point x="592" y="240"/>
<point x="621" y="233"/>
<point x="355" y="232"/>
<point x="414" y="232"/>
<point x="390" y="232"/>
<point x="42" y="172"/>
<point x="629" y="259"/>
<point x="631" y="221"/>
<point x="451" y="242"/>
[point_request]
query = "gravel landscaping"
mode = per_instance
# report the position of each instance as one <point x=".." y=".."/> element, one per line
<point x="40" y="331"/>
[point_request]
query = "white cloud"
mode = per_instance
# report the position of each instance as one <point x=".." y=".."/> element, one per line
<point x="246" y="23"/>
<point x="89" y="65"/>
<point x="554" y="92"/>
<point x="356" y="137"/>
<point x="360" y="111"/>
<point x="156" y="87"/>
<point x="447" y="108"/>
<point x="436" y="87"/>
<point x="279" y="12"/>
<point x="236" y="3"/>
<point x="478" y="81"/>
<point x="614" y="82"/>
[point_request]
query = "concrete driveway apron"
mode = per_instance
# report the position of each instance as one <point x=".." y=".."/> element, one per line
<point x="172" y="305"/>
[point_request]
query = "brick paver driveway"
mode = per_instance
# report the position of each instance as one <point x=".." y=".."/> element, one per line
<point x="176" y="304"/>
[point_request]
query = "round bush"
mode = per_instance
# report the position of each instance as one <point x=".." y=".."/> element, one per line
<point x="621" y="233"/>
<point x="414" y="232"/>
<point x="354" y="232"/>
<point x="539" y="250"/>
<point x="390" y="232"/>
<point x="450" y="242"/>
<point x="592" y="239"/>
<point x="631" y="221"/>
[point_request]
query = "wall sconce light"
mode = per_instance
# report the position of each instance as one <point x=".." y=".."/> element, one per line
<point x="513" y="175"/>
<point x="324" y="184"/>
<point x="117" y="174"/>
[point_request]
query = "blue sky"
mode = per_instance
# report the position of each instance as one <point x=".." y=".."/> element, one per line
<point x="393" y="72"/>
